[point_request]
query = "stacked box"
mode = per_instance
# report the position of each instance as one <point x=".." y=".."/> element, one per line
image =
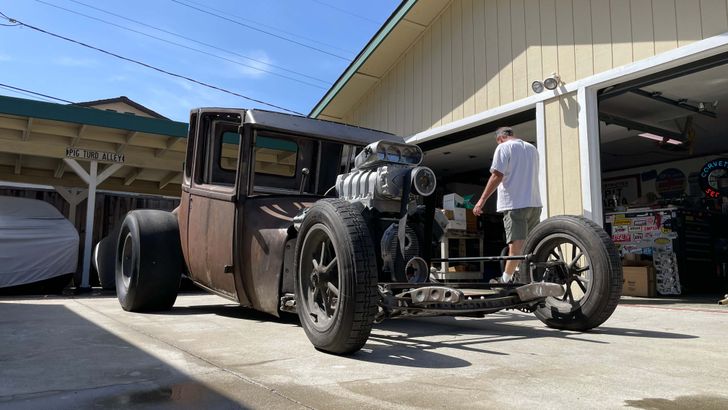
<point x="452" y="201"/>
<point x="471" y="221"/>
<point x="639" y="281"/>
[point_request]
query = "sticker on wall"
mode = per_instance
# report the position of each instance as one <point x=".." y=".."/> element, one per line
<point x="662" y="242"/>
<point x="620" y="229"/>
<point x="622" y="237"/>
<point x="714" y="178"/>
<point x="671" y="183"/>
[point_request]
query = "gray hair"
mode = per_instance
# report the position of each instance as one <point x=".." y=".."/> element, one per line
<point x="504" y="132"/>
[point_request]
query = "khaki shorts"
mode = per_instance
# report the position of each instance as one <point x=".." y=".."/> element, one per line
<point x="519" y="222"/>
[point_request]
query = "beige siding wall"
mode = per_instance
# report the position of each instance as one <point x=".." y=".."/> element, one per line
<point x="480" y="54"/>
<point x="562" y="156"/>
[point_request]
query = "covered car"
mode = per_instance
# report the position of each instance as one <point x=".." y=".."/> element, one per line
<point x="36" y="242"/>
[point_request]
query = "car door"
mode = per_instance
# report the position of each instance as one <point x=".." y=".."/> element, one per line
<point x="212" y="201"/>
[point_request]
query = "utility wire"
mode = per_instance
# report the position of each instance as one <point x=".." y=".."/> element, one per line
<point x="24" y="91"/>
<point x="227" y="13"/>
<point x="197" y="41"/>
<point x="182" y="45"/>
<point x="143" y="64"/>
<point x="259" y="30"/>
<point x="340" y="10"/>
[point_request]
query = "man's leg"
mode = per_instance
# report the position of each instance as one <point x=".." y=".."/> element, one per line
<point x="531" y="218"/>
<point x="515" y="223"/>
<point x="514" y="248"/>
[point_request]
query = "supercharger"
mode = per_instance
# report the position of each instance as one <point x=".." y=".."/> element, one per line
<point x="383" y="172"/>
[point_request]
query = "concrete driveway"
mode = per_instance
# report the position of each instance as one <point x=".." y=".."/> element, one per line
<point x="85" y="352"/>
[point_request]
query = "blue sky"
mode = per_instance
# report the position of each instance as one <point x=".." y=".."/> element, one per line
<point x="39" y="62"/>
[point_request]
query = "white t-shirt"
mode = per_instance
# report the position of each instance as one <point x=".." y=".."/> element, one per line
<point x="518" y="162"/>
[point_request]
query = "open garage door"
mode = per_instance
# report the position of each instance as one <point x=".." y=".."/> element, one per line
<point x="462" y="163"/>
<point x="663" y="139"/>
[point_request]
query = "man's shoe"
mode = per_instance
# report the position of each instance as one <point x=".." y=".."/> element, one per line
<point x="499" y="280"/>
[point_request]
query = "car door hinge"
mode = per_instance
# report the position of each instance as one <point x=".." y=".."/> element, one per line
<point x="228" y="269"/>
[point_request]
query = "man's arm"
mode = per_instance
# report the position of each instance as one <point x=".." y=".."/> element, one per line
<point x="495" y="179"/>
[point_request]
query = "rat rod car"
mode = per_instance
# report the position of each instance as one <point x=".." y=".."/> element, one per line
<point x="283" y="213"/>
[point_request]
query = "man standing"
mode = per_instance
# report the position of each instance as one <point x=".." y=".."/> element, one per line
<point x="514" y="173"/>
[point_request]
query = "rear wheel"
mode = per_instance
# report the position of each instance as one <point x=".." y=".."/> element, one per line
<point x="583" y="259"/>
<point x="104" y="260"/>
<point x="149" y="261"/>
<point x="335" y="277"/>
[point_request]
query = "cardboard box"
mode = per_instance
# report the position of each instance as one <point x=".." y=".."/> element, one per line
<point x="633" y="259"/>
<point x="471" y="221"/>
<point x="457" y="214"/>
<point x="456" y="225"/>
<point x="452" y="201"/>
<point x="639" y="281"/>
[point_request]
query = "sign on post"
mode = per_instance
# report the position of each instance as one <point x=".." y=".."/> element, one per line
<point x="89" y="155"/>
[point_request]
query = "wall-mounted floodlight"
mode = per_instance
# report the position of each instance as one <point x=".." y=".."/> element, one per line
<point x="537" y="86"/>
<point x="549" y="83"/>
<point x="552" y="81"/>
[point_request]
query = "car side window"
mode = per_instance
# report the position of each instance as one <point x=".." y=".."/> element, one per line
<point x="275" y="156"/>
<point x="218" y="151"/>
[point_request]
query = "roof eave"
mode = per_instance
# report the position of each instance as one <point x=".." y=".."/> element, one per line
<point x="360" y="59"/>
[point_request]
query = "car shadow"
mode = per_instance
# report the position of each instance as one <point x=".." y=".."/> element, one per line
<point x="409" y="342"/>
<point x="666" y="300"/>
<point x="231" y="311"/>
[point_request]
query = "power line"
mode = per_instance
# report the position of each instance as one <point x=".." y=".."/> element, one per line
<point x="24" y="91"/>
<point x="163" y="71"/>
<point x="183" y="46"/>
<point x="200" y="42"/>
<point x="270" y="27"/>
<point x="340" y="10"/>
<point x="259" y="30"/>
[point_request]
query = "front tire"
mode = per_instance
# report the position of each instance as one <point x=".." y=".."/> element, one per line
<point x="586" y="264"/>
<point x="149" y="261"/>
<point x="335" y="277"/>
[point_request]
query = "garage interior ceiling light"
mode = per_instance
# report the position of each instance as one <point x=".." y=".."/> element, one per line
<point x="660" y="139"/>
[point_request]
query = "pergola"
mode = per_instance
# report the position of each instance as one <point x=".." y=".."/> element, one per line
<point x="53" y="144"/>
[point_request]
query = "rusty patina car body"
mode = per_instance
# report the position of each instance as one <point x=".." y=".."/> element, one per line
<point x="237" y="240"/>
<point x="283" y="213"/>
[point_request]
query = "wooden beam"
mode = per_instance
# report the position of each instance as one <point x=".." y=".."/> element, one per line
<point x="26" y="131"/>
<point x="171" y="142"/>
<point x="60" y="169"/>
<point x="129" y="137"/>
<point x="57" y="149"/>
<point x="18" y="165"/>
<point x="44" y="177"/>
<point x="133" y="176"/>
<point x="79" y="135"/>
<point x="169" y="178"/>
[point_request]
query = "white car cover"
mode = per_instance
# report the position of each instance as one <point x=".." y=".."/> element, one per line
<point x="36" y="242"/>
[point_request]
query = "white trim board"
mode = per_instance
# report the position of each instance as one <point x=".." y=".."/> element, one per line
<point x="660" y="62"/>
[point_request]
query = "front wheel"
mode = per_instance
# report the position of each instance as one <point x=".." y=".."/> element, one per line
<point x="583" y="259"/>
<point x="335" y="277"/>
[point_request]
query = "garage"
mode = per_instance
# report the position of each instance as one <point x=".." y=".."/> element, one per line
<point x="628" y="94"/>
<point x="663" y="151"/>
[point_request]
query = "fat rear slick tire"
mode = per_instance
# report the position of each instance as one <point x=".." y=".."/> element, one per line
<point x="149" y="261"/>
<point x="592" y="276"/>
<point x="335" y="277"/>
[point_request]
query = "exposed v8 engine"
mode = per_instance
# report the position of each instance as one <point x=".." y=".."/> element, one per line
<point x="386" y="180"/>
